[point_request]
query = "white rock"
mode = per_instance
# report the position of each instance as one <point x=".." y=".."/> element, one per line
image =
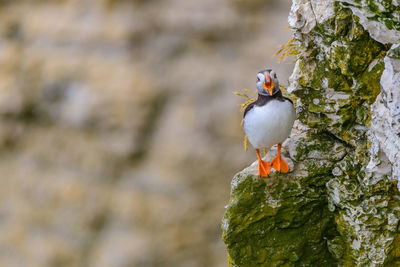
<point x="376" y="29"/>
<point x="384" y="133"/>
<point x="305" y="14"/>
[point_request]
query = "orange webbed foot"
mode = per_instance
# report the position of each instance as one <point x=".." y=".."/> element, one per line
<point x="264" y="167"/>
<point x="278" y="163"/>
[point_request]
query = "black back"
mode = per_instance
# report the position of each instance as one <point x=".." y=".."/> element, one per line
<point x="264" y="99"/>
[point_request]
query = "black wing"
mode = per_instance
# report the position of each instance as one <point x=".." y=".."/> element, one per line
<point x="249" y="107"/>
<point x="281" y="98"/>
<point x="288" y="99"/>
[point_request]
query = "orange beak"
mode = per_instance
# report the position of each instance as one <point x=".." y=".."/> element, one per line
<point x="268" y="85"/>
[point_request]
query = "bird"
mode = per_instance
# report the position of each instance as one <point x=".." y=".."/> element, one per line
<point x="269" y="120"/>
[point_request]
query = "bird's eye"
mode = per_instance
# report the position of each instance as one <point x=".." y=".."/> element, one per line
<point x="258" y="79"/>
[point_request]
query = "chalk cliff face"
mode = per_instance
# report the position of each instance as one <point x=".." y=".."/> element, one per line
<point x="340" y="205"/>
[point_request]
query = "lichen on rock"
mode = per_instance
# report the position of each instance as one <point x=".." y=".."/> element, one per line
<point x="346" y="157"/>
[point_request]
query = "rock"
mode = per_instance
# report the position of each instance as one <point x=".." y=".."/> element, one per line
<point x="284" y="219"/>
<point x="380" y="18"/>
<point x="346" y="156"/>
<point x="305" y="15"/>
<point x="384" y="133"/>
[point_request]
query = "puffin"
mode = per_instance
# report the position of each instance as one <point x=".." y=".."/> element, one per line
<point x="269" y="120"/>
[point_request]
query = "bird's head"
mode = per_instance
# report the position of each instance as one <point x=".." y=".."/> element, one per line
<point x="267" y="82"/>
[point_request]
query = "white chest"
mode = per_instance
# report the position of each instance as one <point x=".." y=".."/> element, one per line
<point x="270" y="124"/>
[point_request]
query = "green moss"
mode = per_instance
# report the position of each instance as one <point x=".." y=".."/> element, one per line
<point x="282" y="225"/>
<point x="284" y="220"/>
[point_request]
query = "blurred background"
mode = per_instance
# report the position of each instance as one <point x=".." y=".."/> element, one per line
<point x="119" y="131"/>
